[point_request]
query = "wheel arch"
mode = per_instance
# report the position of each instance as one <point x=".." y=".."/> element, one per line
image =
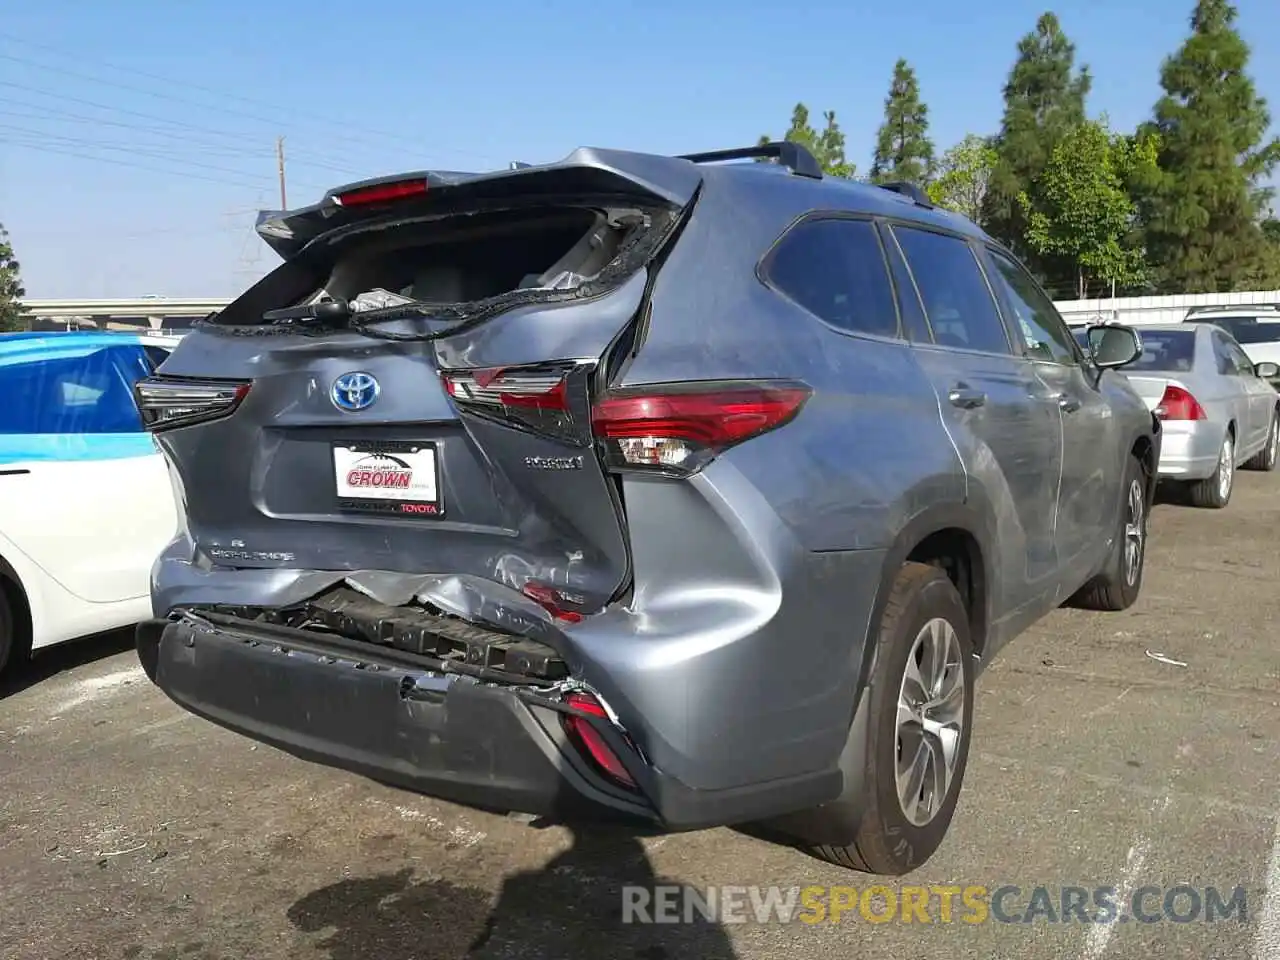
<point x="952" y="537"/>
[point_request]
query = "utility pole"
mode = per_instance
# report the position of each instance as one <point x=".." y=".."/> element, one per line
<point x="280" y="163"/>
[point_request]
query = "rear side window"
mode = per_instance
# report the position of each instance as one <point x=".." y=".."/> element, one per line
<point x="956" y="297"/>
<point x="1251" y="330"/>
<point x="835" y="269"/>
<point x="86" y="394"/>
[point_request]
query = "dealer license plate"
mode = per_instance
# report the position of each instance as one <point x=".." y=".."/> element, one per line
<point x="401" y="478"/>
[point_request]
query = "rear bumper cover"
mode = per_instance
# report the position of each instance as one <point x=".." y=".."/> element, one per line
<point x="383" y="716"/>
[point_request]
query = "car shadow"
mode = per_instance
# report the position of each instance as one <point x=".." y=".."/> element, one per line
<point x="48" y="663"/>
<point x="571" y="907"/>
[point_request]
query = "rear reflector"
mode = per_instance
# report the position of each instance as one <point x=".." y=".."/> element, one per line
<point x="167" y="402"/>
<point x="590" y="743"/>
<point x="678" y="429"/>
<point x="381" y="193"/>
<point x="1179" y="404"/>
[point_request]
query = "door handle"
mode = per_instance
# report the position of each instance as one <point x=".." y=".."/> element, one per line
<point x="14" y="473"/>
<point x="1067" y="403"/>
<point x="966" y="398"/>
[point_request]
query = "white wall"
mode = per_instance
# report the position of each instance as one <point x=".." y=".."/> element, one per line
<point x="1138" y="310"/>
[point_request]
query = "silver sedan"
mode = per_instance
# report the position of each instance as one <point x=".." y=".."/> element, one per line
<point x="1217" y="408"/>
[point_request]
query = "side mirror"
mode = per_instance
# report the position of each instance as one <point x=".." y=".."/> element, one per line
<point x="1266" y="370"/>
<point x="1114" y="346"/>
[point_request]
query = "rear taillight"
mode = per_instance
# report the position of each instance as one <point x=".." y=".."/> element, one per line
<point x="678" y="429"/>
<point x="381" y="193"/>
<point x="1179" y="404"/>
<point x="537" y="398"/>
<point x="167" y="402"/>
<point x="589" y="742"/>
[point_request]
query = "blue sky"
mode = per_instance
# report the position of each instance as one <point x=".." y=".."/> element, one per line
<point x="196" y="93"/>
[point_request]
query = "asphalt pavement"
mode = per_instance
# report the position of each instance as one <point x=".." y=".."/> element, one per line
<point x="1134" y="751"/>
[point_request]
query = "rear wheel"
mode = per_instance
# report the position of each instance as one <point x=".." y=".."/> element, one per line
<point x="917" y="735"/>
<point x="1265" y="459"/>
<point x="8" y="628"/>
<point x="1215" y="491"/>
<point x="1118" y="585"/>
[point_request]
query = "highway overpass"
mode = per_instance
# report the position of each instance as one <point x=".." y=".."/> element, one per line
<point x="170" y="314"/>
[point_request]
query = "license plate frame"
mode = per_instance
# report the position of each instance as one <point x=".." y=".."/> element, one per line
<point x="393" y="483"/>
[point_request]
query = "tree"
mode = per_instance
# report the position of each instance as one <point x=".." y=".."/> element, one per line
<point x="1203" y="230"/>
<point x="1044" y="98"/>
<point x="963" y="174"/>
<point x="1079" y="209"/>
<point x="12" y="314"/>
<point x="827" y="146"/>
<point x="903" y="148"/>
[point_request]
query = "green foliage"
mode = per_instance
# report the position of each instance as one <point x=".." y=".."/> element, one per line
<point x="963" y="174"/>
<point x="1202" y="216"/>
<point x="903" y="148"/>
<point x="1079" y="209"/>
<point x="827" y="146"/>
<point x="12" y="316"/>
<point x="1044" y="98"/>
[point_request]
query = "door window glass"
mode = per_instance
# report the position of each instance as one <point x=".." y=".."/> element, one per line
<point x="88" y="393"/>
<point x="957" y="300"/>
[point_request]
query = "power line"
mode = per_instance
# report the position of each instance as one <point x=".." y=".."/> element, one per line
<point x="328" y="120"/>
<point x="129" y="150"/>
<point x="180" y="125"/>
<point x="45" y="148"/>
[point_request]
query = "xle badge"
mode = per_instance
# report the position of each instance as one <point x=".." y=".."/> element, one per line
<point x="553" y="463"/>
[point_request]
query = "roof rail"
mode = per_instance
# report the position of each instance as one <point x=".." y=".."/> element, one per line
<point x="908" y="190"/>
<point x="791" y="155"/>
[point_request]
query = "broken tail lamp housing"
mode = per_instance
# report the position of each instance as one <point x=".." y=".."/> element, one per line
<point x="588" y="742"/>
<point x="546" y="399"/>
<point x="170" y="402"/>
<point x="678" y="429"/>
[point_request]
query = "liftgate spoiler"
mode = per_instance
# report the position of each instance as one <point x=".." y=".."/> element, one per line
<point x="647" y="177"/>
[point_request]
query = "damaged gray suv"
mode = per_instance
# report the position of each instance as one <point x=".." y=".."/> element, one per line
<point x="673" y="489"/>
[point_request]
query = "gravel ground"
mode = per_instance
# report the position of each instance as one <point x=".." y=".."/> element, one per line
<point x="130" y="830"/>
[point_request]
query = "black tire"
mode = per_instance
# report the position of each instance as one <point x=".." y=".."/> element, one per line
<point x="1120" y="582"/>
<point x="8" y="628"/>
<point x="881" y="839"/>
<point x="1214" y="492"/>
<point x="1265" y="459"/>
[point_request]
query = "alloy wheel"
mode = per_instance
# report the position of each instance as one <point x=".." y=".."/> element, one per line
<point x="1226" y="469"/>
<point x="1134" y="533"/>
<point x="930" y="722"/>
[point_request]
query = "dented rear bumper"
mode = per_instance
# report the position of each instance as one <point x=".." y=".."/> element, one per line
<point x="397" y="718"/>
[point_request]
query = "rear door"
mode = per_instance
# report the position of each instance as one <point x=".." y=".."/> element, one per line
<point x="391" y="447"/>
<point x="1235" y="390"/>
<point x="996" y="407"/>
<point x="1261" y="398"/>
<point x="84" y="493"/>
<point x="1092" y="462"/>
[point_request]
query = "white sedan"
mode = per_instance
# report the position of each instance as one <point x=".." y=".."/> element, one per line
<point x="85" y="499"/>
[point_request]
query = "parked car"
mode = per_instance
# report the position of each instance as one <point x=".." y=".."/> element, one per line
<point x="689" y="491"/>
<point x="1255" y="327"/>
<point x="85" y="500"/>
<point x="1218" y="408"/>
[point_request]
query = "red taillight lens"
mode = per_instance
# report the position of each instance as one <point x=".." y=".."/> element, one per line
<point x="166" y="402"/>
<point x="381" y="193"/>
<point x="551" y="600"/>
<point x="536" y="398"/>
<point x="678" y="429"/>
<point x="590" y="743"/>
<point x="1178" y="404"/>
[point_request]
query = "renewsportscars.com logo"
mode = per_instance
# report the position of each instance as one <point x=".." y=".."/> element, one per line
<point x="969" y="904"/>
